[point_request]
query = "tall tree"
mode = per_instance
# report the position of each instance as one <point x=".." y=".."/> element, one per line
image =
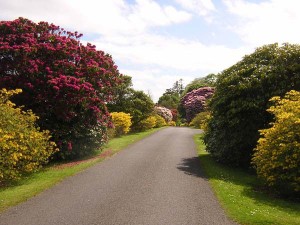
<point x="171" y="97"/>
<point x="138" y="104"/>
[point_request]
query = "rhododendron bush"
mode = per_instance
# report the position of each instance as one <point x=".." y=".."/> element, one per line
<point x="164" y="113"/>
<point x="64" y="82"/>
<point x="194" y="101"/>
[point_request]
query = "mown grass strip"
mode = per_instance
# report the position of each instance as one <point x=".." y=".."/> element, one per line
<point x="236" y="192"/>
<point x="35" y="183"/>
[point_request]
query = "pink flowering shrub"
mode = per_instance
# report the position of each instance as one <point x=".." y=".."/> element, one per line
<point x="67" y="84"/>
<point x="194" y="102"/>
<point x="164" y="113"/>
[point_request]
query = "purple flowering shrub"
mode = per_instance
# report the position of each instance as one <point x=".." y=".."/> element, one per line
<point x="194" y="102"/>
<point x="164" y="113"/>
<point x="65" y="83"/>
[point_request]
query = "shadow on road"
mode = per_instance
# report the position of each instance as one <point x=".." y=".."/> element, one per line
<point x="191" y="166"/>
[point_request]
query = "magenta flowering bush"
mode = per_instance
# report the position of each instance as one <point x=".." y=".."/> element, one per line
<point x="164" y="113"/>
<point x="194" y="102"/>
<point x="67" y="84"/>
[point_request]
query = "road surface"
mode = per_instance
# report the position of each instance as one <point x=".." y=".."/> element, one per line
<point x="156" y="181"/>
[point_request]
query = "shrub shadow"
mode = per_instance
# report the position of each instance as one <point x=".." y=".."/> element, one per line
<point x="191" y="166"/>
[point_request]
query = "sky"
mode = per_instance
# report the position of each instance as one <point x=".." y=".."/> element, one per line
<point x="157" y="42"/>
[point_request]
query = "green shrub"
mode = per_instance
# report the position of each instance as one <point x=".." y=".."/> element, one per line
<point x="277" y="155"/>
<point x="160" y="122"/>
<point x="147" y="123"/>
<point x="23" y="147"/>
<point x="122" y="122"/>
<point x="238" y="107"/>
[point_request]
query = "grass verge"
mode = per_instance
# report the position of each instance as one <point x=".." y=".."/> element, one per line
<point x="236" y="192"/>
<point x="35" y="183"/>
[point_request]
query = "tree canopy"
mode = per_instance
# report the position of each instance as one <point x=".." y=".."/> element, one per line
<point x="171" y="97"/>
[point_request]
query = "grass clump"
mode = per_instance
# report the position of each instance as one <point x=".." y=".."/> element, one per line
<point x="239" y="193"/>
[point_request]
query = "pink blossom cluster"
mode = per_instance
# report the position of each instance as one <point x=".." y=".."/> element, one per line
<point x="67" y="84"/>
<point x="194" y="101"/>
<point x="164" y="113"/>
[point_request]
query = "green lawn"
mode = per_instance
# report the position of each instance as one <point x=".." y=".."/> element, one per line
<point x="243" y="204"/>
<point x="37" y="182"/>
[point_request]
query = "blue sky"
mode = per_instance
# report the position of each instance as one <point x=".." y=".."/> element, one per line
<point x="160" y="41"/>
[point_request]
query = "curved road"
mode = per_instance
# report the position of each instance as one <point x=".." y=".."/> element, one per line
<point x="155" y="181"/>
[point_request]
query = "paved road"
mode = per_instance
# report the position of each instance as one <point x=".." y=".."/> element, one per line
<point x="155" y="181"/>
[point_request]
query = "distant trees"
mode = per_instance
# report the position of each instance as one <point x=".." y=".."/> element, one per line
<point x="138" y="104"/>
<point x="171" y="97"/>
<point x="239" y="104"/>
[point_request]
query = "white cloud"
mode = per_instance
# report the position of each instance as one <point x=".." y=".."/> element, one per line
<point x="150" y="13"/>
<point x="96" y="16"/>
<point x="266" y="22"/>
<point x="201" y="7"/>
<point x="170" y="52"/>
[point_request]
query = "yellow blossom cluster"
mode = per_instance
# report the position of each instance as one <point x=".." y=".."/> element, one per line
<point x="277" y="156"/>
<point x="23" y="147"/>
<point x="122" y="122"/>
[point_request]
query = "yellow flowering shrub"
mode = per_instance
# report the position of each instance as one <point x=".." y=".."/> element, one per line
<point x="23" y="147"/>
<point x="172" y="123"/>
<point x="160" y="121"/>
<point x="147" y="123"/>
<point x="200" y="120"/>
<point x="122" y="122"/>
<point x="277" y="155"/>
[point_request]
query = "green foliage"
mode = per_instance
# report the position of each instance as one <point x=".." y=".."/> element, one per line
<point x="122" y="122"/>
<point x="160" y="122"/>
<point x="170" y="99"/>
<point x="277" y="156"/>
<point x="136" y="103"/>
<point x="242" y="97"/>
<point x="200" y="120"/>
<point x="23" y="147"/>
<point x="121" y="95"/>
<point x="148" y="123"/>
